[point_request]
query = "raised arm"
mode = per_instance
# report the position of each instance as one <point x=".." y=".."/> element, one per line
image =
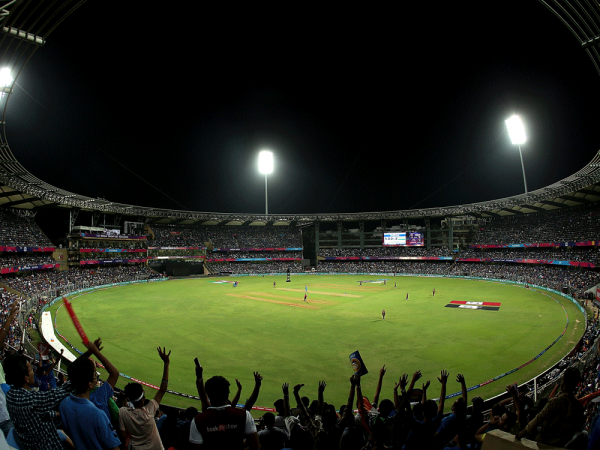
<point x="406" y="394"/>
<point x="463" y="386"/>
<point x="425" y="386"/>
<point x="200" y="386"/>
<point x="303" y="410"/>
<point x="165" y="379"/>
<point x="348" y="410"/>
<point x="416" y="376"/>
<point x="322" y="386"/>
<point x="286" y="399"/>
<point x="402" y="385"/>
<point x="361" y="407"/>
<point x="236" y="397"/>
<point x="113" y="373"/>
<point x="379" y="382"/>
<point x="443" y="379"/>
<point x="254" y="396"/>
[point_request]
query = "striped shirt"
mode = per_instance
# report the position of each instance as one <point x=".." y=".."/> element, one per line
<point x="26" y="409"/>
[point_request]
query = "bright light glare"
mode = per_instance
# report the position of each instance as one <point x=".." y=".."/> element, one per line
<point x="516" y="130"/>
<point x="5" y="77"/>
<point x="265" y="162"/>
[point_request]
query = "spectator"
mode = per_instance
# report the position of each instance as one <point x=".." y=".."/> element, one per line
<point x="139" y="420"/>
<point x="31" y="411"/>
<point x="222" y="426"/>
<point x="88" y="426"/>
<point x="562" y="416"/>
<point x="272" y="438"/>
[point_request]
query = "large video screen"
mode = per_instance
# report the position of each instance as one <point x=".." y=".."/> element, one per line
<point x="403" y="239"/>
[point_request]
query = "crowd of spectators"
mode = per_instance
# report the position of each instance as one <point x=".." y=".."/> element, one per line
<point x="109" y="243"/>
<point x="176" y="253"/>
<point x="8" y="259"/>
<point x="37" y="282"/>
<point x="20" y="231"/>
<point x="400" y="415"/>
<point x="275" y="254"/>
<point x="587" y="254"/>
<point x="255" y="237"/>
<point x="561" y="225"/>
<point x="254" y="268"/>
<point x="173" y="236"/>
<point x="106" y="256"/>
<point x="576" y="279"/>
<point x="385" y="251"/>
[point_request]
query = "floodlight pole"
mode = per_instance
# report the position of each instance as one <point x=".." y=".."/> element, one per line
<point x="522" y="167"/>
<point x="267" y="197"/>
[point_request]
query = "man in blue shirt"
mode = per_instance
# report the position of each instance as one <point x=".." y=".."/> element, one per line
<point x="87" y="425"/>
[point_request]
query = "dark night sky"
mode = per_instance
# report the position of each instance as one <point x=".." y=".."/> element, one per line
<point x="365" y="109"/>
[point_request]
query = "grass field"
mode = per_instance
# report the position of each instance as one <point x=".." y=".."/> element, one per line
<point x="255" y="327"/>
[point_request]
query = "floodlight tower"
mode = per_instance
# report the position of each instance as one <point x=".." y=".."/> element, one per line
<point x="265" y="165"/>
<point x="516" y="131"/>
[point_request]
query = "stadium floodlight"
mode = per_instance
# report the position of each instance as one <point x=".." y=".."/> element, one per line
<point x="6" y="80"/>
<point x="265" y="165"/>
<point x="516" y="131"/>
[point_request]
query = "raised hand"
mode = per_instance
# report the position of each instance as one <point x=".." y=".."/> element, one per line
<point x="382" y="371"/>
<point x="443" y="378"/>
<point x="403" y="381"/>
<point x="239" y="385"/>
<point x="416" y="376"/>
<point x="257" y="378"/>
<point x="510" y="389"/>
<point x="164" y="355"/>
<point x="354" y="380"/>
<point x="460" y="378"/>
<point x="297" y="388"/>
<point x="199" y="369"/>
<point x="322" y="385"/>
<point x="92" y="347"/>
<point x="98" y="344"/>
<point x="426" y="385"/>
<point x="286" y="389"/>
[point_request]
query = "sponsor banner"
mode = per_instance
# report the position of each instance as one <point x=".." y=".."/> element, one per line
<point x="178" y="257"/>
<point x="544" y="244"/>
<point x="251" y="259"/>
<point x="266" y="249"/>
<point x="176" y="248"/>
<point x="113" y="250"/>
<point x="110" y="236"/>
<point x="26" y="249"/>
<point x="112" y="261"/>
<point x="485" y="308"/>
<point x="588" y="265"/>
<point x="459" y="302"/>
<point x="30" y="267"/>
<point x="388" y="258"/>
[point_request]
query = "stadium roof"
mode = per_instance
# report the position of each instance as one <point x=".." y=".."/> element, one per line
<point x="26" y="25"/>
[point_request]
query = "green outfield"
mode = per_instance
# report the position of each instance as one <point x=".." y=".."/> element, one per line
<point x="256" y="327"/>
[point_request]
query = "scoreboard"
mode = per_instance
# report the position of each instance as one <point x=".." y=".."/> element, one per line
<point x="403" y="239"/>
